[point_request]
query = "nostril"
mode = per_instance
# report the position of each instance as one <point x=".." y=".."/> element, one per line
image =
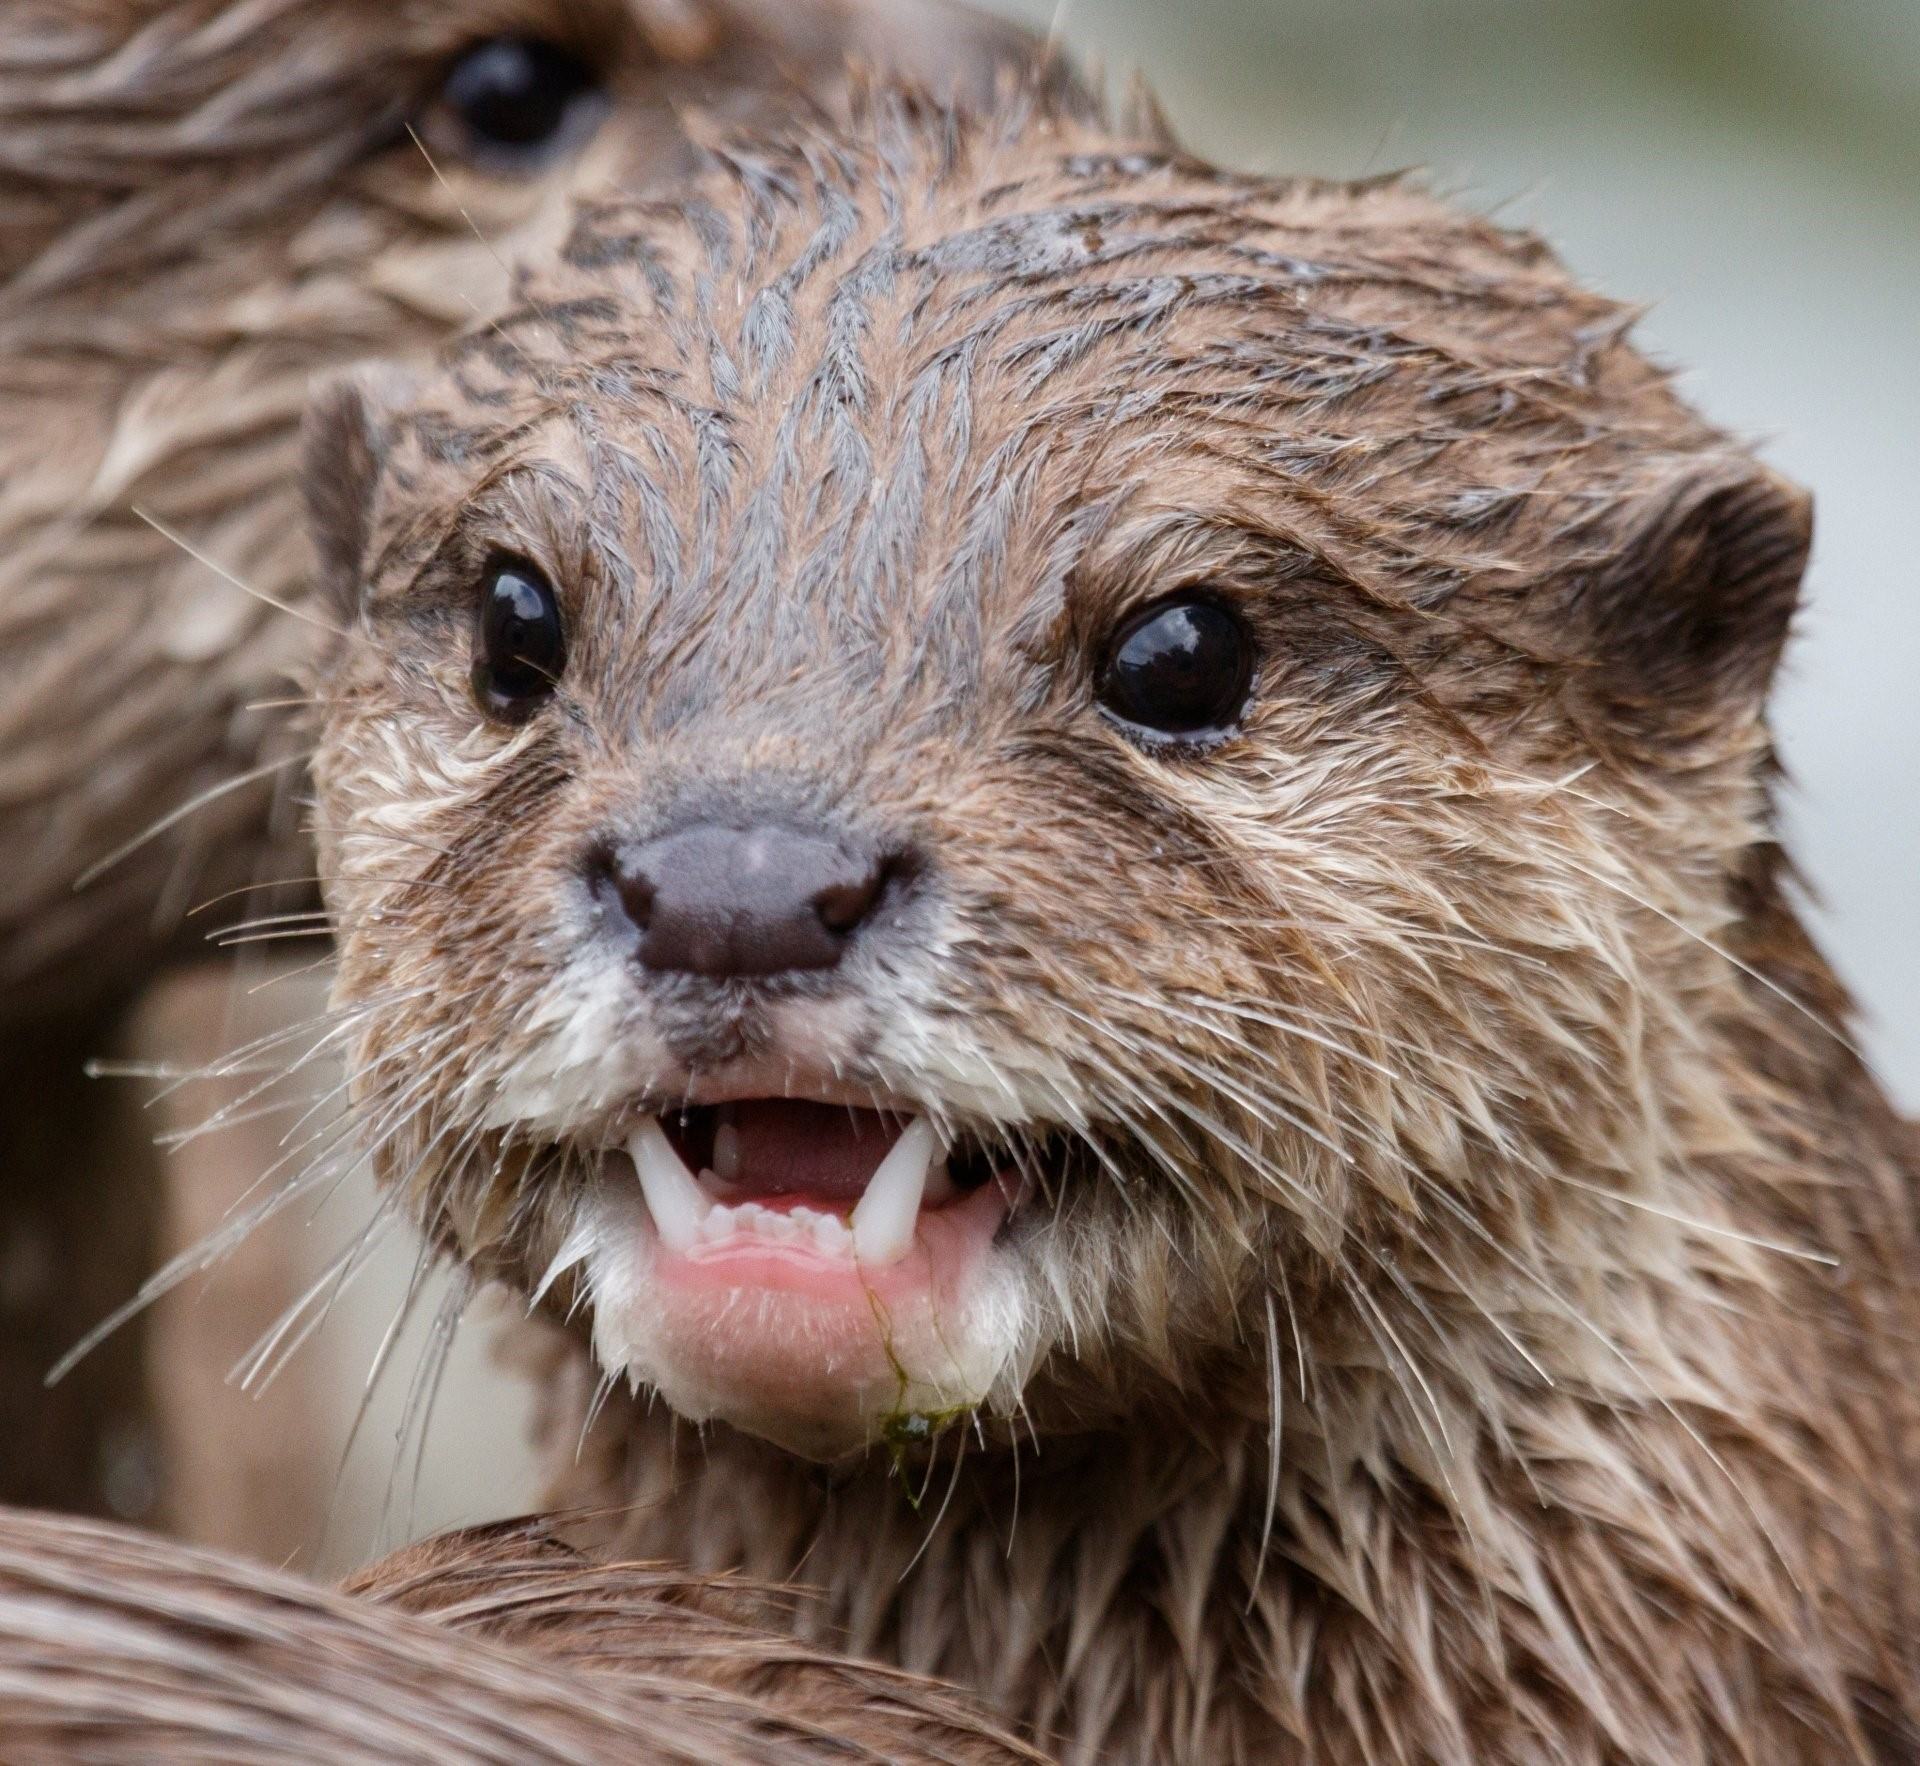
<point x="842" y="906"/>
<point x="620" y="884"/>
<point x="637" y="892"/>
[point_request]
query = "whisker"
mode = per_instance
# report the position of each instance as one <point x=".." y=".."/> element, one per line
<point x="1276" y="1400"/>
<point x="252" y="1372"/>
<point x="1606" y="1343"/>
<point x="933" y="1527"/>
<point x="197" y="1257"/>
<point x="1747" y="969"/>
<point x="422" y="1392"/>
<point x="376" y="1369"/>
<point x="267" y="883"/>
<point x="602" y="1391"/>
<point x="174" y="817"/>
<point x="227" y="576"/>
<point x="1803" y="1252"/>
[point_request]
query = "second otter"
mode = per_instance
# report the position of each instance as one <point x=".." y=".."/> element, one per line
<point x="1080" y="849"/>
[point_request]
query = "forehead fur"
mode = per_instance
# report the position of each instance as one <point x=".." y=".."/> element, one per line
<point x="937" y="346"/>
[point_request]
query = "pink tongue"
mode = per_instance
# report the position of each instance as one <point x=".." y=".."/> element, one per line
<point x="827" y="1151"/>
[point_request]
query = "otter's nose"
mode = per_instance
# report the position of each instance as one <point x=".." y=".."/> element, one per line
<point x="744" y="901"/>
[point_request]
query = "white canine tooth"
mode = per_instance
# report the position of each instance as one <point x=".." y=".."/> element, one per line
<point x="726" y="1146"/>
<point x="883" y="1223"/>
<point x="673" y="1196"/>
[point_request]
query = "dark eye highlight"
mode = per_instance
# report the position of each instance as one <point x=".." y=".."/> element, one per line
<point x="520" y="645"/>
<point x="1182" y="669"/>
<point x="515" y="103"/>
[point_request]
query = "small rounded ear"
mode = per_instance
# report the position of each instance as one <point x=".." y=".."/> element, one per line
<point x="343" y="447"/>
<point x="1690" y="606"/>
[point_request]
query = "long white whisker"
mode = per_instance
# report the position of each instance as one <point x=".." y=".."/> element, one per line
<point x="227" y="576"/>
<point x="174" y="817"/>
<point x="1276" y="1401"/>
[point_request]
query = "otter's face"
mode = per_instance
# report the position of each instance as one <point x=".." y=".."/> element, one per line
<point x="973" y="760"/>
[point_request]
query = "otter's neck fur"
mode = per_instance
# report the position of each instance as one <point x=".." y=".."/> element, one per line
<point x="1568" y="1566"/>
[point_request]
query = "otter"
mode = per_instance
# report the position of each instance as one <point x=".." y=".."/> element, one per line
<point x="206" y="203"/>
<point x="492" y="1645"/>
<point x="1079" y="850"/>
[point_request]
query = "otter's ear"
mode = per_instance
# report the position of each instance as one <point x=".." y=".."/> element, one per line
<point x="1690" y="609"/>
<point x="343" y="446"/>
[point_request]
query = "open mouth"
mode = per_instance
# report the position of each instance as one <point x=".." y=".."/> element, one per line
<point x="804" y="1269"/>
<point x="838" y="1183"/>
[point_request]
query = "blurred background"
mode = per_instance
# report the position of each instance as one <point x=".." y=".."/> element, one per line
<point x="1750" y="169"/>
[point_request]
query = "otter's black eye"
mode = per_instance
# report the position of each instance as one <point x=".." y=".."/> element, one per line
<point x="516" y="102"/>
<point x="520" y="646"/>
<point x="1182" y="668"/>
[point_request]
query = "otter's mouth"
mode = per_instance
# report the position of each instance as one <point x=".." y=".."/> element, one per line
<point x="837" y="1183"/>
<point x="802" y="1268"/>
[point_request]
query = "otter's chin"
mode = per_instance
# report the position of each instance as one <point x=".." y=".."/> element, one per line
<point x="765" y="1315"/>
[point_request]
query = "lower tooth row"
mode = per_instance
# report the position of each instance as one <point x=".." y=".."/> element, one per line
<point x="783" y="1226"/>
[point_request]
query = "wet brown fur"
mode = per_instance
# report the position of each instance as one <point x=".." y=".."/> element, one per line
<point x="1476" y="1322"/>
<point x="496" y="1645"/>
<point x="204" y="203"/>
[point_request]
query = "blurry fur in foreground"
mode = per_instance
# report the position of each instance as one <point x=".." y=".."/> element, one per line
<point x="498" y="1645"/>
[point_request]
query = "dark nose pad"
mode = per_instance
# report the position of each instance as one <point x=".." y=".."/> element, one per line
<point x="744" y="901"/>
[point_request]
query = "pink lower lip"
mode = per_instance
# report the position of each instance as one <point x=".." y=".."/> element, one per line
<point x="800" y="1343"/>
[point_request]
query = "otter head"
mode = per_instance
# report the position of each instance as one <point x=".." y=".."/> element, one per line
<point x="975" y="759"/>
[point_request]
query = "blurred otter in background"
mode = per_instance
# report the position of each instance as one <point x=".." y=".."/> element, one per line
<point x="202" y="203"/>
<point x="1079" y="849"/>
<point x="497" y="1645"/>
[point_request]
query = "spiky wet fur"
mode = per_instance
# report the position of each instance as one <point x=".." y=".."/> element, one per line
<point x="1473" y="1327"/>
